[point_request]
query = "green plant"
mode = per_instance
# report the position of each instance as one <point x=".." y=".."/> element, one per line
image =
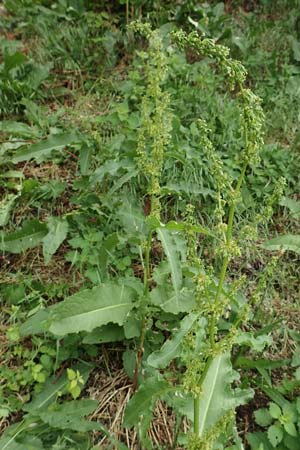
<point x="20" y="78"/>
<point x="281" y="423"/>
<point x="131" y="208"/>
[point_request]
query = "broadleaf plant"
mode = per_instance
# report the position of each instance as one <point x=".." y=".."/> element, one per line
<point x="29" y="236"/>
<point x="88" y="309"/>
<point x="160" y="283"/>
<point x="204" y="349"/>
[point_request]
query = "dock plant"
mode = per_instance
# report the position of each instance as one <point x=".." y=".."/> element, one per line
<point x="204" y="338"/>
<point x="181" y="308"/>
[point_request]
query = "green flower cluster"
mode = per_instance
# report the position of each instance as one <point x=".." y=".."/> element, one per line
<point x="233" y="69"/>
<point x="213" y="297"/>
<point x="207" y="441"/>
<point x="252" y="121"/>
<point x="155" y="127"/>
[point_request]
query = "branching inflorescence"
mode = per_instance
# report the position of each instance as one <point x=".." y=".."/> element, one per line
<point x="214" y="298"/>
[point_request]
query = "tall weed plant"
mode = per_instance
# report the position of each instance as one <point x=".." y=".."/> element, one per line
<point x="180" y="307"/>
<point x="205" y="336"/>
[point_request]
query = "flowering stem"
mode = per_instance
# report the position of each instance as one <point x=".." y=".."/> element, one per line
<point x="144" y="312"/>
<point x="224" y="267"/>
<point x="226" y="259"/>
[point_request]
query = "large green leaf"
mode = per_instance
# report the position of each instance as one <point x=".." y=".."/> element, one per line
<point x="169" y="245"/>
<point x="108" y="333"/>
<point x="85" y="156"/>
<point x="17" y="129"/>
<point x="13" y="60"/>
<point x="293" y="205"/>
<point x="172" y="347"/>
<point x="57" y="232"/>
<point x="105" y="251"/>
<point x="217" y="396"/>
<point x="43" y="149"/>
<point x="70" y="415"/>
<point x="30" y="235"/>
<point x="37" y="323"/>
<point x="172" y="302"/>
<point x="132" y="218"/>
<point x="288" y="242"/>
<point x="92" y="308"/>
<point x="182" y="226"/>
<point x="6" y="205"/>
<point x="217" y="399"/>
<point x="26" y="442"/>
<point x="53" y="387"/>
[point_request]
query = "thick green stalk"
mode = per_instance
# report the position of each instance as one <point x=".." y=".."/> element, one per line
<point x="197" y="416"/>
<point x="147" y="263"/>
<point x="144" y="313"/>
<point x="226" y="258"/>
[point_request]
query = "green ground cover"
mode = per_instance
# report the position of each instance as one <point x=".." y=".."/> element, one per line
<point x="149" y="214"/>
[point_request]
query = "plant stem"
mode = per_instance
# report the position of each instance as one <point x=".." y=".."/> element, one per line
<point x="226" y="258"/>
<point x="140" y="351"/>
<point x="224" y="267"/>
<point x="197" y="416"/>
<point x="147" y="263"/>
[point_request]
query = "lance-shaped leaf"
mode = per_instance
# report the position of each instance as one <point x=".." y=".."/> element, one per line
<point x="108" y="333"/>
<point x="43" y="149"/>
<point x="171" y="251"/>
<point x="30" y="235"/>
<point x="182" y="226"/>
<point x="57" y="232"/>
<point x="293" y="205"/>
<point x="85" y="156"/>
<point x="37" y="323"/>
<point x="8" y="442"/>
<point x="70" y="415"/>
<point x="290" y="242"/>
<point x="6" y="205"/>
<point x="92" y="308"/>
<point x="17" y="129"/>
<point x="172" y="347"/>
<point x="172" y="302"/>
<point x="105" y="252"/>
<point x="132" y="218"/>
<point x="139" y="408"/>
<point x="218" y="397"/>
<point x="53" y="387"/>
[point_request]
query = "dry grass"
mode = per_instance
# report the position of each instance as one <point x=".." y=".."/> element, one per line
<point x="113" y="392"/>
